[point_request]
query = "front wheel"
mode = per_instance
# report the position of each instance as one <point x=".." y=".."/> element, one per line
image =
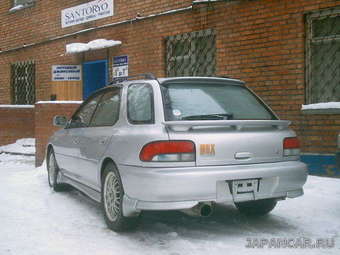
<point x="54" y="174"/>
<point x="258" y="207"/>
<point x="112" y="201"/>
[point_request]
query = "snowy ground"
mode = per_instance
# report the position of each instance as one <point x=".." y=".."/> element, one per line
<point x="24" y="146"/>
<point x="34" y="220"/>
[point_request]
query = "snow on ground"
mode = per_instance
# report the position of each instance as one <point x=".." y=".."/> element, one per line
<point x="22" y="146"/>
<point x="34" y="220"/>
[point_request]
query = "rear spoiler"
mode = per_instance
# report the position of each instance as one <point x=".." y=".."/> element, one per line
<point x="237" y="124"/>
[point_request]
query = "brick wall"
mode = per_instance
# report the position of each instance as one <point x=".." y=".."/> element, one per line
<point x="16" y="123"/>
<point x="42" y="21"/>
<point x="44" y="113"/>
<point x="261" y="42"/>
<point x="319" y="133"/>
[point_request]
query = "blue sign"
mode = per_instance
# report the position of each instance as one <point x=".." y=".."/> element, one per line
<point x="120" y="61"/>
<point x="120" y="66"/>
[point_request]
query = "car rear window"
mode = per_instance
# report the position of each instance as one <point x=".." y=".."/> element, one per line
<point x="212" y="101"/>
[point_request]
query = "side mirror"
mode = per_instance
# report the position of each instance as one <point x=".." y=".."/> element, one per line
<point x="59" y="121"/>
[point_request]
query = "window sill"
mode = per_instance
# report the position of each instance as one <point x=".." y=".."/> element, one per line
<point x="321" y="108"/>
<point x="20" y="7"/>
<point x="328" y="111"/>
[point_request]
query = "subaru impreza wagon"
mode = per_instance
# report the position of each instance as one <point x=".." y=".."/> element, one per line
<point x="183" y="143"/>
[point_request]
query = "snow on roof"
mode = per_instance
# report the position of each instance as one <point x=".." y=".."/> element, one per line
<point x="59" y="102"/>
<point x="16" y="106"/>
<point x="330" y="105"/>
<point x="102" y="43"/>
<point x="77" y="47"/>
<point x="92" y="45"/>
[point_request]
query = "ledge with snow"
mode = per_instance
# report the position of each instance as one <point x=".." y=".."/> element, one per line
<point x="92" y="45"/>
<point x="322" y="108"/>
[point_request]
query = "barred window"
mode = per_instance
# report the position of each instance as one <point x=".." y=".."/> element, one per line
<point x="191" y="54"/>
<point x="323" y="57"/>
<point x="22" y="2"/>
<point x="23" y="82"/>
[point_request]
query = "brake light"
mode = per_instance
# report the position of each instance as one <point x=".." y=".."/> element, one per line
<point x="291" y="146"/>
<point x="165" y="151"/>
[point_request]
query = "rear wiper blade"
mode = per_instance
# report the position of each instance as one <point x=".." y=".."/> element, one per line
<point x="215" y="116"/>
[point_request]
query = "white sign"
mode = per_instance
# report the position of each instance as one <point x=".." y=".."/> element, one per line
<point x="66" y="73"/>
<point x="86" y="12"/>
<point x="120" y="66"/>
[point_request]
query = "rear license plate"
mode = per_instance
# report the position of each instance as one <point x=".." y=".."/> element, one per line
<point x="245" y="189"/>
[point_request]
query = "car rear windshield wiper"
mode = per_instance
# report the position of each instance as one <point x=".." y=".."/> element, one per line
<point x="217" y="116"/>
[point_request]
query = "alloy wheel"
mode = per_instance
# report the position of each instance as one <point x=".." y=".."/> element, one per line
<point x="112" y="196"/>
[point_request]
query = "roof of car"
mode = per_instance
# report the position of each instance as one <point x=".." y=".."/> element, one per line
<point x="186" y="78"/>
<point x="180" y="79"/>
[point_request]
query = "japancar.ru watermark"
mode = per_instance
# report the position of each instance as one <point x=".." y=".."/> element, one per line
<point x="290" y="243"/>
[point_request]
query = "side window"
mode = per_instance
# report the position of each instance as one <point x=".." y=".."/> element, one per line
<point x="107" y="112"/>
<point x="83" y="117"/>
<point x="140" y="104"/>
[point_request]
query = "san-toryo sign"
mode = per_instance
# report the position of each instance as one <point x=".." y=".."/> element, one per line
<point x="86" y="12"/>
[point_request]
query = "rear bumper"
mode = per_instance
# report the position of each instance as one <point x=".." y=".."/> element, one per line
<point x="184" y="187"/>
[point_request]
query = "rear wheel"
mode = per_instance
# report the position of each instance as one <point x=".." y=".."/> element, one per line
<point x="258" y="207"/>
<point x="112" y="201"/>
<point x="54" y="174"/>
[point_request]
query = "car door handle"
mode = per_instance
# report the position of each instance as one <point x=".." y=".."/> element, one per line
<point x="243" y="155"/>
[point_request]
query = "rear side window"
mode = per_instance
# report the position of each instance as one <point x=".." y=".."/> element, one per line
<point x="140" y="104"/>
<point x="212" y="101"/>
<point x="107" y="111"/>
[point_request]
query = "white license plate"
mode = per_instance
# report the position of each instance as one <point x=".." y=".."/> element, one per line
<point x="245" y="189"/>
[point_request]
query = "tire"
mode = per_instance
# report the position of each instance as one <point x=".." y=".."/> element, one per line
<point x="256" y="208"/>
<point x="54" y="175"/>
<point x="112" y="194"/>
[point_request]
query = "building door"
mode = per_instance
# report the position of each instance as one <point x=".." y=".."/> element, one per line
<point x="95" y="76"/>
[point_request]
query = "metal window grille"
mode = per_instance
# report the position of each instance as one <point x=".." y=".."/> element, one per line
<point x="22" y="2"/>
<point x="191" y="54"/>
<point x="23" y="82"/>
<point x="323" y="56"/>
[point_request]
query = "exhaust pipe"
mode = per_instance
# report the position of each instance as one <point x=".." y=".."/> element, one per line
<point x="200" y="210"/>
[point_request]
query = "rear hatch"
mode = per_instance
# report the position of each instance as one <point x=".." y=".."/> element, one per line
<point x="227" y="122"/>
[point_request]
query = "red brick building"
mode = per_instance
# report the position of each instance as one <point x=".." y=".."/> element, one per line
<point x="287" y="51"/>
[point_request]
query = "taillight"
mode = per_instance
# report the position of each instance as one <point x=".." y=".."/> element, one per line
<point x="291" y="146"/>
<point x="168" y="151"/>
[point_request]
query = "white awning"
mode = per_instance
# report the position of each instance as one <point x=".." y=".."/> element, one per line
<point x="92" y="45"/>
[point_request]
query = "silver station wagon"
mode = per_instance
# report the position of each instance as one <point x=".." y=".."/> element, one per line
<point x="183" y="143"/>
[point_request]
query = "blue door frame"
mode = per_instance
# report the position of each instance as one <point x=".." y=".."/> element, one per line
<point x="95" y="76"/>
